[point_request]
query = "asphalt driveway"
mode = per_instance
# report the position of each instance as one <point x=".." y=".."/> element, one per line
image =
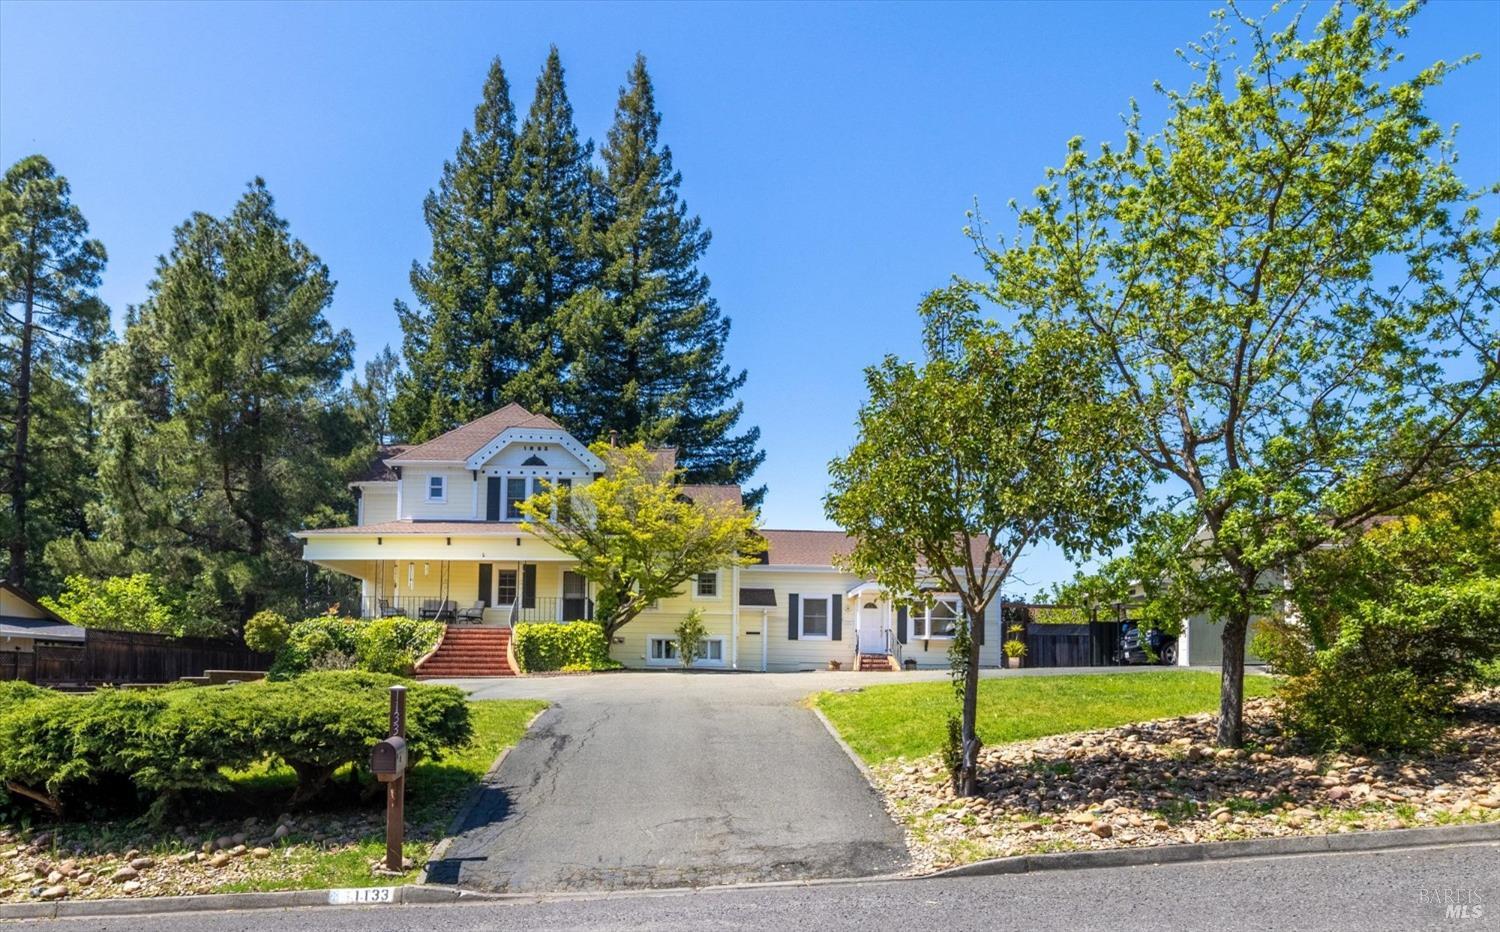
<point x="665" y="780"/>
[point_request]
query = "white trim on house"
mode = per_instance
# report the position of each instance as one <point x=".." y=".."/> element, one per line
<point x="534" y="435"/>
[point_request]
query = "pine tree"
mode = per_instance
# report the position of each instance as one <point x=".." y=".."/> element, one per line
<point x="52" y="326"/>
<point x="647" y="342"/>
<point x="373" y="396"/>
<point x="459" y="346"/>
<point x="553" y="202"/>
<point x="224" y="426"/>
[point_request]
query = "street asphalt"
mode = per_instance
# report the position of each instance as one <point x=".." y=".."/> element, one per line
<point x="663" y="780"/>
<point x="1448" y="888"/>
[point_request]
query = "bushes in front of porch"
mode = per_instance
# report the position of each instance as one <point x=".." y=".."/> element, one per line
<point x="571" y="646"/>
<point x="378" y="645"/>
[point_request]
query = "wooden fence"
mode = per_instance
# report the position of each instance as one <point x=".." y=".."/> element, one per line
<point x="1085" y="644"/>
<point x="136" y="657"/>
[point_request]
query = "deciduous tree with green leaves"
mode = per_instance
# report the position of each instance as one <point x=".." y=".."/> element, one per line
<point x="635" y="536"/>
<point x="998" y="441"/>
<point x="52" y="327"/>
<point x="1294" y="286"/>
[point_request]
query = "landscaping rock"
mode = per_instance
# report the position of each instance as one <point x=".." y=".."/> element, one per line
<point x="141" y="864"/>
<point x="55" y="892"/>
<point x="124" y="874"/>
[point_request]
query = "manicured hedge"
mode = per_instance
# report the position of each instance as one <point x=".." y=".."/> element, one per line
<point x="381" y="645"/>
<point x="163" y="742"/>
<point x="572" y="645"/>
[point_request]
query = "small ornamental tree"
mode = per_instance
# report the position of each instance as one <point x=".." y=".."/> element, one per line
<point x="994" y="444"/>
<point x="690" y="637"/>
<point x="1296" y="289"/>
<point x="636" y="536"/>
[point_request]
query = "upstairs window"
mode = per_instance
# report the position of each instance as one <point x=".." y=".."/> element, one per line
<point x="708" y="586"/>
<point x="515" y="494"/>
<point x="437" y="489"/>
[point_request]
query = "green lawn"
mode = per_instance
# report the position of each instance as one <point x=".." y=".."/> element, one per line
<point x="909" y="720"/>
<point x="434" y="791"/>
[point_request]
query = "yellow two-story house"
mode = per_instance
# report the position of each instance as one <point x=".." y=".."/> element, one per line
<point x="439" y="535"/>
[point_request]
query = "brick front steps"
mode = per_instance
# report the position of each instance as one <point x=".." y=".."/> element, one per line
<point x="879" y="663"/>
<point x="465" y="652"/>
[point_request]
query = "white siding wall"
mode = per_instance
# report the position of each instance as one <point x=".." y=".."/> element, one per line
<point x="378" y="503"/>
<point x="460" y="500"/>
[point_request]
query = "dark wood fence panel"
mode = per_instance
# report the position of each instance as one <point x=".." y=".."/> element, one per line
<point x="1058" y="646"/>
<point x="15" y="665"/>
<point x="137" y="657"/>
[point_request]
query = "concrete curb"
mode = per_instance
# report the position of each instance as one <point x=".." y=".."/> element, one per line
<point x="1229" y="850"/>
<point x="288" y="899"/>
<point x="1398" y="839"/>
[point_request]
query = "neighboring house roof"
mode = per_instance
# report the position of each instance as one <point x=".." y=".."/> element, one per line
<point x="45" y="625"/>
<point x="464" y="441"/>
<point x="39" y="629"/>
<point x="758" y="598"/>
<point x="377" y="470"/>
<point x="713" y="494"/>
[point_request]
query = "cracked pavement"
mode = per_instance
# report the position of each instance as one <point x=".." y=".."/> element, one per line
<point x="670" y="780"/>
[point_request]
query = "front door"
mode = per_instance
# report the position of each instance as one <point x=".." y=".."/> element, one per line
<point x="575" y="604"/>
<point x="871" y="628"/>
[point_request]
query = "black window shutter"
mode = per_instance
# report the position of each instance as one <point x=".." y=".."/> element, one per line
<point x="901" y="624"/>
<point x="528" y="586"/>
<point x="792" y="605"/>
<point x="492" y="498"/>
<point x="838" y="618"/>
<point x="484" y="582"/>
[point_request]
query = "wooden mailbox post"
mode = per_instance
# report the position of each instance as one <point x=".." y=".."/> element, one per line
<point x="388" y="763"/>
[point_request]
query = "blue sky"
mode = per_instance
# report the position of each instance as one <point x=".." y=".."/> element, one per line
<point x="832" y="148"/>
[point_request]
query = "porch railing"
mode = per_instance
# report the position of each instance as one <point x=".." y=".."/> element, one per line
<point x="551" y="608"/>
<point x="543" y="608"/>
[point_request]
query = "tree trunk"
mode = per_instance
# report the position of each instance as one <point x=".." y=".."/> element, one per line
<point x="16" y="572"/>
<point x="1231" y="732"/>
<point x="968" y="771"/>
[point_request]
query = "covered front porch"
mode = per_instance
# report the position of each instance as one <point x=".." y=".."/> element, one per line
<point x="504" y="593"/>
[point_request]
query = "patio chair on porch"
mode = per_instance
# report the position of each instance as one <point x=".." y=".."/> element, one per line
<point x="386" y="611"/>
<point x="474" y="613"/>
<point x="437" y="609"/>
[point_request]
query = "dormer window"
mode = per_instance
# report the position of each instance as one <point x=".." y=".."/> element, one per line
<point x="437" y="489"/>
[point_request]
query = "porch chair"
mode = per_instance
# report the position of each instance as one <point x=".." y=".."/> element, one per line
<point x="474" y="613"/>
<point x="386" y="611"/>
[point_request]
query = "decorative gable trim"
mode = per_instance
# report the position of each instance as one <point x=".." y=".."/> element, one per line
<point x="534" y="435"/>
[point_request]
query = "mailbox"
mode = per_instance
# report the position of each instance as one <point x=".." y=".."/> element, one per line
<point x="388" y="759"/>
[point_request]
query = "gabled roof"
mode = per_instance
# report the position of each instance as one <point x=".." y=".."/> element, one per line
<point x="464" y="441"/>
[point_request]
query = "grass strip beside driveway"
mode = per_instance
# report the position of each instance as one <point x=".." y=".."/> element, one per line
<point x="909" y="720"/>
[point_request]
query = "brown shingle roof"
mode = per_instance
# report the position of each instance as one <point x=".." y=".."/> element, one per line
<point x="376" y="470"/>
<point x="805" y="548"/>
<point x="464" y="441"/>
<point x="713" y="494"/>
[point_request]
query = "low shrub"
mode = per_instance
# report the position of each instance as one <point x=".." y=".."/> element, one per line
<point x="267" y="632"/>
<point x="1388" y="674"/>
<point x="572" y="645"/>
<point x="382" y="645"/>
<point x="158" y="744"/>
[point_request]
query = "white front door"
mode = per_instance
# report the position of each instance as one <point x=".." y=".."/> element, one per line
<point x="871" y="616"/>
